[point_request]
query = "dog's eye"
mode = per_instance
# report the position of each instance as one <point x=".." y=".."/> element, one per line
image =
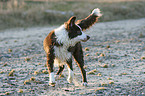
<point x="79" y="32"/>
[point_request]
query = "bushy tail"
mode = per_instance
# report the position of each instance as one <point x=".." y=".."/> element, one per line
<point x="97" y="12"/>
<point x="90" y="20"/>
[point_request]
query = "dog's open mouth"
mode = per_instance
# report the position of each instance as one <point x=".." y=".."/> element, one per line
<point x="86" y="39"/>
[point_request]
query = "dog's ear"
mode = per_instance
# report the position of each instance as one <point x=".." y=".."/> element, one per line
<point x="71" y="21"/>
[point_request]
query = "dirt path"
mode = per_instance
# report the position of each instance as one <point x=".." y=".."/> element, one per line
<point x="115" y="55"/>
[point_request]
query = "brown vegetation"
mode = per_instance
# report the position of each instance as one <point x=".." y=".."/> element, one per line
<point x="24" y="13"/>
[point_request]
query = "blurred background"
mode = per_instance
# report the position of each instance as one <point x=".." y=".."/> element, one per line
<point x="27" y="13"/>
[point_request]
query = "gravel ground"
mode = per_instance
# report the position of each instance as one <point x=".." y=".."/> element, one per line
<point x="114" y="61"/>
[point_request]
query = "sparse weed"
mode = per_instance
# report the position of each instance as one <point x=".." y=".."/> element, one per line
<point x="20" y="13"/>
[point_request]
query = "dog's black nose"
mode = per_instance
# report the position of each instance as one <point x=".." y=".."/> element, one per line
<point x="88" y="37"/>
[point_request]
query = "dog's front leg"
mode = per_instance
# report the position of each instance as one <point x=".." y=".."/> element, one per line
<point x="78" y="56"/>
<point x="50" y="61"/>
<point x="70" y="70"/>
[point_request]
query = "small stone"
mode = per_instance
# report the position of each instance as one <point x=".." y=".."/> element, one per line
<point x="109" y="78"/>
<point x="5" y="65"/>
<point x="102" y="55"/>
<point x="39" y="82"/>
<point x="1" y="72"/>
<point x="7" y="93"/>
<point x="113" y="65"/>
<point x="12" y="78"/>
<point x="45" y="71"/>
<point x="142" y="57"/>
<point x="86" y="49"/>
<point x="87" y="55"/>
<point x="97" y="53"/>
<point x="108" y="46"/>
<point x="15" y="41"/>
<point x="105" y="66"/>
<point x="118" y="90"/>
<point x="85" y="67"/>
<point x="104" y="84"/>
<point x="10" y="50"/>
<point x="125" y="54"/>
<point x="101" y="88"/>
<point x="32" y="78"/>
<point x="123" y="74"/>
<point x="36" y="72"/>
<point x="92" y="71"/>
<point x="27" y="82"/>
<point x="99" y="74"/>
<point x="12" y="72"/>
<point x="111" y="82"/>
<point x="81" y="93"/>
<point x="27" y="59"/>
<point x="20" y="91"/>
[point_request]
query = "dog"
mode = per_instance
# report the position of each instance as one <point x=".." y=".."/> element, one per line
<point x="64" y="43"/>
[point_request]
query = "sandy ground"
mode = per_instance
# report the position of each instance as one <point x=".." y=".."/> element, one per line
<point x="114" y="61"/>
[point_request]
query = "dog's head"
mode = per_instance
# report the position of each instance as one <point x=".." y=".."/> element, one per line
<point x="75" y="31"/>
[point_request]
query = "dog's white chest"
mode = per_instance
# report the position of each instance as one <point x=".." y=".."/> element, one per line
<point x="61" y="55"/>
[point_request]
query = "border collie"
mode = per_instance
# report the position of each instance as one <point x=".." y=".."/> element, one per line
<point x="64" y="43"/>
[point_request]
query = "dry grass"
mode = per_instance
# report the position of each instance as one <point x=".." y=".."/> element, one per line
<point x="24" y="13"/>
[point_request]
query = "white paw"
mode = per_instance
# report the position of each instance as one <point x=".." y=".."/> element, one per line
<point x="85" y="84"/>
<point x="70" y="79"/>
<point x="51" y="79"/>
<point x="70" y="75"/>
<point x="52" y="84"/>
<point x="97" y="12"/>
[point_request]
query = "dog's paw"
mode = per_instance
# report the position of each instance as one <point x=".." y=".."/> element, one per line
<point x="70" y="80"/>
<point x="97" y="12"/>
<point x="52" y="84"/>
<point x="85" y="84"/>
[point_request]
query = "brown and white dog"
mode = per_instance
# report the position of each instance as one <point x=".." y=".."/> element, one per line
<point x="63" y="43"/>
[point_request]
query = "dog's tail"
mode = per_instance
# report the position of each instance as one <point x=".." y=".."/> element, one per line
<point x="90" y="20"/>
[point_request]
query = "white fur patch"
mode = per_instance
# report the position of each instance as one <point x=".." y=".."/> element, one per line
<point x="61" y="55"/>
<point x="97" y="12"/>
<point x="51" y="78"/>
<point x="70" y="75"/>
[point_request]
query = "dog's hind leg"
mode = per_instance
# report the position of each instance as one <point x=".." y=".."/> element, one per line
<point x="49" y="62"/>
<point x="70" y="70"/>
<point x="78" y="56"/>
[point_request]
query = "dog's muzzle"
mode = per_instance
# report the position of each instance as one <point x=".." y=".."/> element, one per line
<point x="86" y="39"/>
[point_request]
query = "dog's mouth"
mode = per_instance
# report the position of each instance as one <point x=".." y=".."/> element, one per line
<point x="86" y="39"/>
